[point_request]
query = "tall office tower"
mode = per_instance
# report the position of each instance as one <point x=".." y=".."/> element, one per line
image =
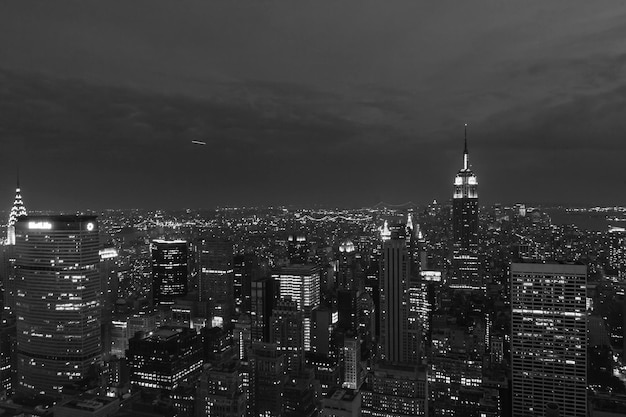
<point x="399" y="330"/>
<point x="169" y="270"/>
<point x="109" y="269"/>
<point x="161" y="360"/>
<point x="267" y="379"/>
<point x="262" y="300"/>
<point x="549" y="338"/>
<point x="301" y="283"/>
<point x="395" y="391"/>
<point x="347" y="309"/>
<point x="58" y="303"/>
<point x="18" y="210"/>
<point x="465" y="263"/>
<point x="245" y="270"/>
<point x="221" y="391"/>
<point x="617" y="252"/>
<point x="323" y="325"/>
<point x="287" y="333"/>
<point x="216" y="280"/>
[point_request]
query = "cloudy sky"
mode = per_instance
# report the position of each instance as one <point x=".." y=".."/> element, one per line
<point x="322" y="102"/>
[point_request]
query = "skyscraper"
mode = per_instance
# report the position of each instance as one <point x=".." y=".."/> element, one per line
<point x="58" y="301"/>
<point x="18" y="210"/>
<point x="8" y="252"/>
<point x="216" y="279"/>
<point x="169" y="270"/>
<point x="465" y="263"/>
<point x="549" y="338"/>
<point x="399" y="340"/>
<point x="262" y="300"/>
<point x="301" y="283"/>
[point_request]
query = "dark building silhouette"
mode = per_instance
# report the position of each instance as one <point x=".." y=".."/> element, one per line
<point x="159" y="361"/>
<point x="287" y="333"/>
<point x="216" y="280"/>
<point x="267" y="379"/>
<point x="263" y="295"/>
<point x="399" y="330"/>
<point x="220" y="391"/>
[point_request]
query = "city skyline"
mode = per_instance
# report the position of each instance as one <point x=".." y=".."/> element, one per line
<point x="376" y="100"/>
<point x="309" y="209"/>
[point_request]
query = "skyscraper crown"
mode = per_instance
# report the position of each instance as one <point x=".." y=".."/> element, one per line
<point x="18" y="210"/>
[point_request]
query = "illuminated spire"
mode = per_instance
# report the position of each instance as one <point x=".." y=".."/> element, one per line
<point x="465" y="153"/>
<point x="18" y="210"/>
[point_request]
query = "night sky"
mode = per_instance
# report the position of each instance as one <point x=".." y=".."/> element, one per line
<point x="341" y="103"/>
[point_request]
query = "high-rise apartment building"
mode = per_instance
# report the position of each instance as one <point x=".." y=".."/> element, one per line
<point x="301" y="283"/>
<point x="549" y="339"/>
<point x="169" y="270"/>
<point x="58" y="301"/>
<point x="465" y="262"/>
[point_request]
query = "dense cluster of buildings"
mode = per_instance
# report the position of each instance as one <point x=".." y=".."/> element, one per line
<point x="444" y="311"/>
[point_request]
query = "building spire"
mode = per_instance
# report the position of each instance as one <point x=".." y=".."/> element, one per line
<point x="465" y="153"/>
<point x="18" y="210"/>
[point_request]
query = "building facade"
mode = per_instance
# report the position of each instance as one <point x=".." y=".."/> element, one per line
<point x="549" y="338"/>
<point x="58" y="303"/>
<point x="169" y="270"/>
<point x="301" y="283"/>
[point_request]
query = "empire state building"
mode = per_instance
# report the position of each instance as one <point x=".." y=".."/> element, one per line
<point x="465" y="263"/>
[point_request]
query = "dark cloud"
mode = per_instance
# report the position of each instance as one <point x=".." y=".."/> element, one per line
<point x="338" y="103"/>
